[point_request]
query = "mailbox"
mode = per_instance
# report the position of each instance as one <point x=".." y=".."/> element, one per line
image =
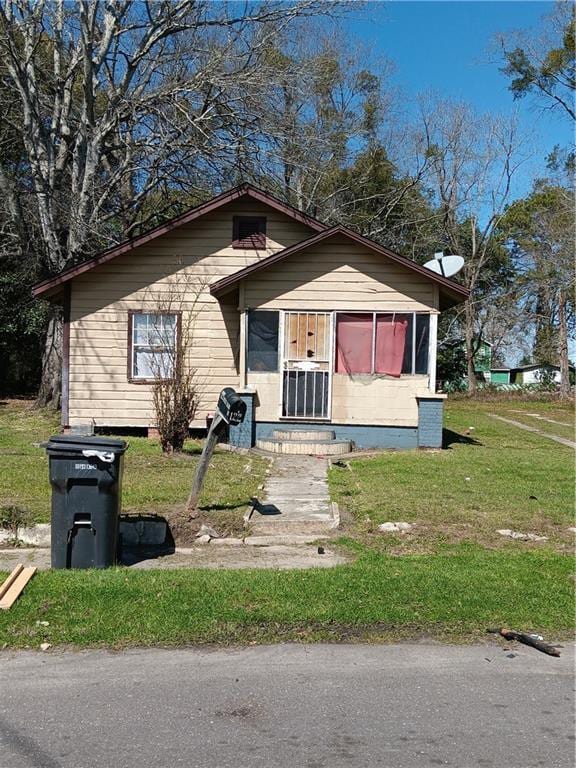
<point x="231" y="407"/>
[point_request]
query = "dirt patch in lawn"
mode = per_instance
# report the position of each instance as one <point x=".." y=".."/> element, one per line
<point x="428" y="539"/>
<point x="184" y="530"/>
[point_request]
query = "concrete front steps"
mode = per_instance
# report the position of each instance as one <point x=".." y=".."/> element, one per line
<point x="304" y="443"/>
<point x="309" y="530"/>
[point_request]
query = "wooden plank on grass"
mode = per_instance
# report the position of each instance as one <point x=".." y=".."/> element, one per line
<point x="10" y="579"/>
<point x="17" y="585"/>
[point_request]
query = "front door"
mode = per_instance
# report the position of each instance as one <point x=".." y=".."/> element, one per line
<point x="307" y="365"/>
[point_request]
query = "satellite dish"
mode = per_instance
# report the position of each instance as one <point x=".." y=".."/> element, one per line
<point x="445" y="265"/>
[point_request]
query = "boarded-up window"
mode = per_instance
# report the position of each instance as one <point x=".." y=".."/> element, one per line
<point x="306" y="335"/>
<point x="152" y="345"/>
<point x="262" y="338"/>
<point x="249" y="232"/>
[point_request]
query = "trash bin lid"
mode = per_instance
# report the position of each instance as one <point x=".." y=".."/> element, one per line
<point x="75" y="443"/>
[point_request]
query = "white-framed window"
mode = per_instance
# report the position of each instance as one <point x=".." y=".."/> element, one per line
<point x="153" y="344"/>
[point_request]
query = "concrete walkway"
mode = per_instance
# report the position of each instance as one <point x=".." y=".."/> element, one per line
<point x="561" y="440"/>
<point x="544" y="418"/>
<point x="295" y="498"/>
<point x="277" y="556"/>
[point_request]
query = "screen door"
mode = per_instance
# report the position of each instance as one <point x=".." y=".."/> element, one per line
<point x="306" y="365"/>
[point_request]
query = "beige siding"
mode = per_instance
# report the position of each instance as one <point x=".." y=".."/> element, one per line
<point x="340" y="275"/>
<point x="268" y="403"/>
<point x="355" y="399"/>
<point x="170" y="270"/>
<point x="377" y="400"/>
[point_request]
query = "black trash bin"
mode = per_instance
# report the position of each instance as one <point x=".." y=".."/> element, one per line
<point x="86" y="480"/>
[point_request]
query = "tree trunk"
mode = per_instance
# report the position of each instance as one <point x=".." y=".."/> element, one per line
<point x="469" y="338"/>
<point x="51" y="382"/>
<point x="563" y="338"/>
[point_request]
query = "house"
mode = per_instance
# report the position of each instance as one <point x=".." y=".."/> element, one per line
<point x="315" y="326"/>
<point x="483" y="361"/>
<point x="537" y="374"/>
<point x="528" y="374"/>
<point x="500" y="375"/>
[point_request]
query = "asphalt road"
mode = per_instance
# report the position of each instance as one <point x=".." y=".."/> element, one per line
<point x="402" y="706"/>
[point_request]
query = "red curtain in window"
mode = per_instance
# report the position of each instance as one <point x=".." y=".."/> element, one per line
<point x="390" y="343"/>
<point x="354" y="344"/>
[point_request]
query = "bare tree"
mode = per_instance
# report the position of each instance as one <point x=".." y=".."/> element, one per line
<point x="472" y="160"/>
<point x="118" y="102"/>
<point x="327" y="145"/>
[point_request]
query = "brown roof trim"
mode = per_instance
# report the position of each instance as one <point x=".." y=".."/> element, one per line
<point x="48" y="287"/>
<point x="459" y="292"/>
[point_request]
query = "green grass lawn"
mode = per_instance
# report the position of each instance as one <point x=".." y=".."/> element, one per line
<point x="492" y="475"/>
<point x="450" y="578"/>
<point x="454" y="596"/>
<point x="152" y="483"/>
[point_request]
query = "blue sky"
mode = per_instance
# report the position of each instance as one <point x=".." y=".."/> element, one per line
<point x="445" y="47"/>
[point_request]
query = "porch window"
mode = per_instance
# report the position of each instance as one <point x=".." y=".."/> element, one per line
<point x="262" y="341"/>
<point x="421" y="343"/>
<point x="354" y="342"/>
<point x="152" y="345"/>
<point x="378" y="343"/>
<point x="390" y="343"/>
<point x="249" y="232"/>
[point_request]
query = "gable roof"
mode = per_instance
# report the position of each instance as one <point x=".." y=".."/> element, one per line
<point x="450" y="292"/>
<point x="538" y="366"/>
<point x="51" y="286"/>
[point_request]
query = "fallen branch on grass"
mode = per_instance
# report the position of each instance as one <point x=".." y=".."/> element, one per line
<point x="524" y="637"/>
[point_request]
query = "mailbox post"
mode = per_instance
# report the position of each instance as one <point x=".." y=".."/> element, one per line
<point x="231" y="409"/>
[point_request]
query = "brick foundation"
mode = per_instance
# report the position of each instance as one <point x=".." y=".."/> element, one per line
<point x="430" y="414"/>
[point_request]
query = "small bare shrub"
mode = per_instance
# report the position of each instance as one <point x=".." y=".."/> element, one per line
<point x="13" y="518"/>
<point x="175" y="391"/>
<point x="175" y="404"/>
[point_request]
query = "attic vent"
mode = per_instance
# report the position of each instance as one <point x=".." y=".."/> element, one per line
<point x="249" y="232"/>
